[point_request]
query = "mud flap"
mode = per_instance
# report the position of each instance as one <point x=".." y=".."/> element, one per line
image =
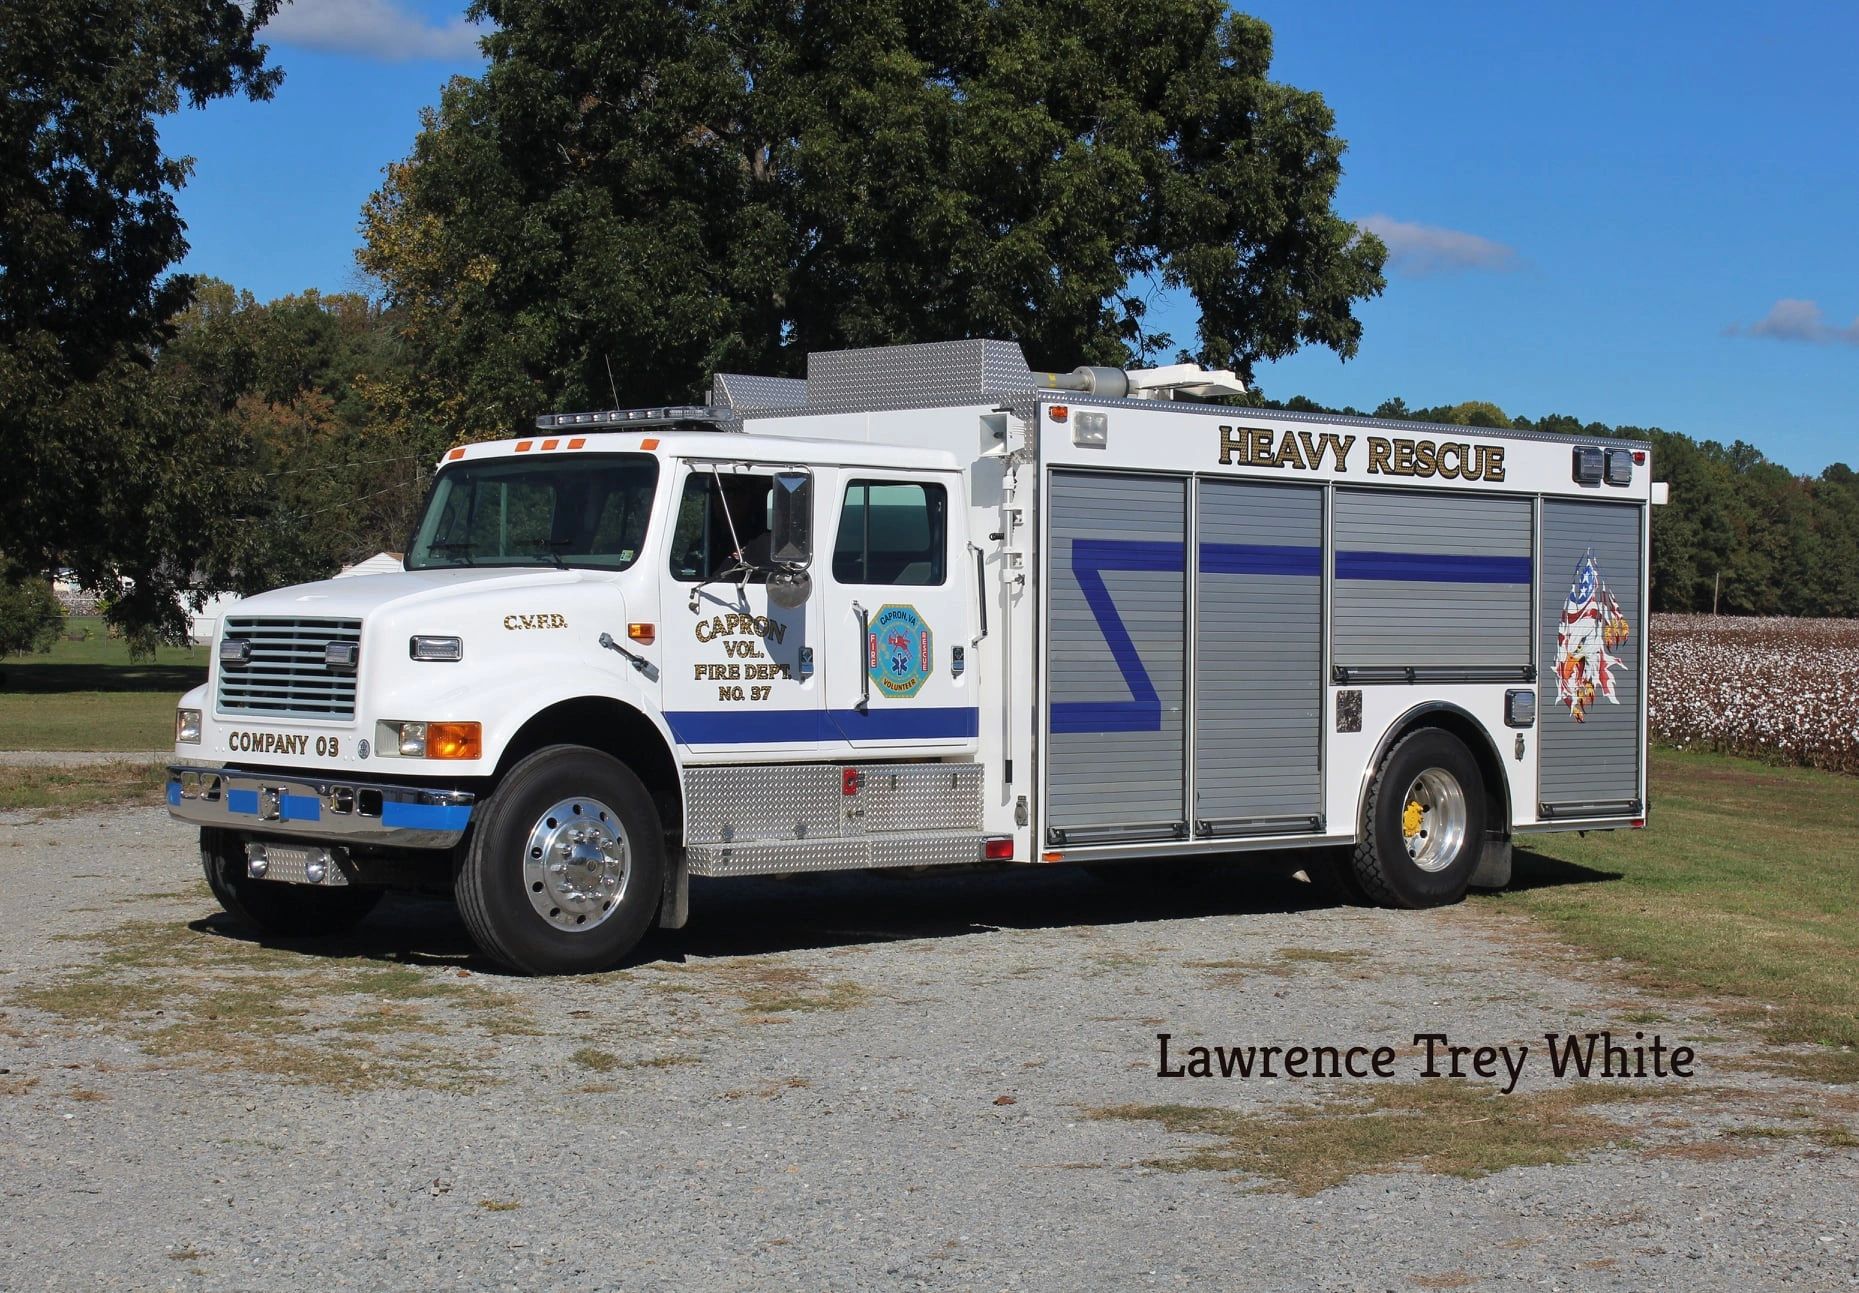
<point x="1493" y="864"/>
<point x="674" y="907"/>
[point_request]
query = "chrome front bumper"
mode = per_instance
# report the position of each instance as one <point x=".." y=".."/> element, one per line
<point x="346" y="812"/>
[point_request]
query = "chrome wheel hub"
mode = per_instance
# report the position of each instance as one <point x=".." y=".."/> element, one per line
<point x="576" y="864"/>
<point x="1433" y="820"/>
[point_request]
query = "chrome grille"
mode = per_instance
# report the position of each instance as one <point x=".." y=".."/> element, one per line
<point x="287" y="677"/>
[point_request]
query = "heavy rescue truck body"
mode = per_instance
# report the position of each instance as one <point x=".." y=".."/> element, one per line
<point x="927" y="608"/>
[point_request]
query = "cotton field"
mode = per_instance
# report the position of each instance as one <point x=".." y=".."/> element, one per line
<point x="1784" y="689"/>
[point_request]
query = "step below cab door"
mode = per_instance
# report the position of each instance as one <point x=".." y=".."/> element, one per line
<point x="895" y="582"/>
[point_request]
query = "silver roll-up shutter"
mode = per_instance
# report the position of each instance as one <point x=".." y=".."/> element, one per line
<point x="1115" y="656"/>
<point x="1590" y="691"/>
<point x="1258" y="686"/>
<point x="1434" y="582"/>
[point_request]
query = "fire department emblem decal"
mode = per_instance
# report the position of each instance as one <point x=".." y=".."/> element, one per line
<point x="897" y="651"/>
<point x="1593" y="625"/>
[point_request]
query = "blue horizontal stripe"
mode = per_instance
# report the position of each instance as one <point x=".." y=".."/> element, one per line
<point x="1125" y="554"/>
<point x="425" y="817"/>
<point x="1260" y="559"/>
<point x="1432" y="567"/>
<point x="242" y="801"/>
<point x="812" y="726"/>
<point x="1106" y="716"/>
<point x="299" y="808"/>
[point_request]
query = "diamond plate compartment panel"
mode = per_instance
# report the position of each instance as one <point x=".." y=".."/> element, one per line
<point x="762" y="803"/>
<point x="770" y="859"/>
<point x="926" y="850"/>
<point x="921" y="797"/>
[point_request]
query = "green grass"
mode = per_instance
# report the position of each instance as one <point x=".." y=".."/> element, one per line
<point x="1741" y="891"/>
<point x="91" y="696"/>
<point x="1437" y="1125"/>
<point x="57" y="790"/>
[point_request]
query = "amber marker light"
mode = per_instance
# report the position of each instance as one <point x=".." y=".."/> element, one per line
<point x="454" y="740"/>
<point x="648" y="444"/>
<point x="645" y="634"/>
<point x="1051" y="857"/>
<point x="456" y="454"/>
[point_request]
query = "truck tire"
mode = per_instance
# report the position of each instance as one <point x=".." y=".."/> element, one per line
<point x="1423" y="825"/>
<point x="271" y="906"/>
<point x="566" y="865"/>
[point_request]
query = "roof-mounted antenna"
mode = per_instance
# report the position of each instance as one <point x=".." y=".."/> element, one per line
<point x="611" y="384"/>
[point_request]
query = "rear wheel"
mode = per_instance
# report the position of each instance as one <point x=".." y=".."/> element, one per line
<point x="1423" y="826"/>
<point x="272" y="906"/>
<point x="566" y="865"/>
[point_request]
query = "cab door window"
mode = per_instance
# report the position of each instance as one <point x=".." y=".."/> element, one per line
<point x="723" y="525"/>
<point x="892" y="533"/>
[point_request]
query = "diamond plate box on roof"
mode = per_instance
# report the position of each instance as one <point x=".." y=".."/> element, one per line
<point x="923" y="376"/>
<point x="746" y="393"/>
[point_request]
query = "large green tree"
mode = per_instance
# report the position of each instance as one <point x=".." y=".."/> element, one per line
<point x="665" y="190"/>
<point x="109" y="467"/>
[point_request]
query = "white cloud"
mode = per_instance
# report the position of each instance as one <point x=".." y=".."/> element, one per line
<point x="1792" y="319"/>
<point x="377" y="29"/>
<point x="1429" y="249"/>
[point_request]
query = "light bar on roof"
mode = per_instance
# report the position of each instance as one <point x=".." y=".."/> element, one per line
<point x="655" y="417"/>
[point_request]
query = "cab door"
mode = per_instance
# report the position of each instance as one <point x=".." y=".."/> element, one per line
<point x="739" y="675"/>
<point x="896" y="586"/>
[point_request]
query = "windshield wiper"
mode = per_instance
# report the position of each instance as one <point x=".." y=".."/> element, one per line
<point x="461" y="546"/>
<point x="550" y="548"/>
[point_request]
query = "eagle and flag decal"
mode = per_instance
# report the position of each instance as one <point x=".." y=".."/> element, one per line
<point x="1593" y="627"/>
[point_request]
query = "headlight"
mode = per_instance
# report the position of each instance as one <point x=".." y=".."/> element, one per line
<point x="412" y="740"/>
<point x="425" y="647"/>
<point x="187" y="727"/>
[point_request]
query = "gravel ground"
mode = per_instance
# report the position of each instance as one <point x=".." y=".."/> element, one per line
<point x="846" y="1082"/>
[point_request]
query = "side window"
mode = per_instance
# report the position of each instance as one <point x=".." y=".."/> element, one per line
<point x="723" y="522"/>
<point x="892" y="532"/>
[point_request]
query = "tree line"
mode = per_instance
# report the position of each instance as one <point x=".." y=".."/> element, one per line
<point x="633" y="196"/>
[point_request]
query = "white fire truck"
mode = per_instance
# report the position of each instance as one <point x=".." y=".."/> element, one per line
<point x="927" y="608"/>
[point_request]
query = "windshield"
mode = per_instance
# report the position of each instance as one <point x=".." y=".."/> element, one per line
<point x="559" y="510"/>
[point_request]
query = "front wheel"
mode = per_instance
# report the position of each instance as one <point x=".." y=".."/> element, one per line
<point x="1423" y="827"/>
<point x="566" y="865"/>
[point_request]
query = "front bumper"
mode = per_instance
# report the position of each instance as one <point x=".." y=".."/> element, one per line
<point x="348" y="812"/>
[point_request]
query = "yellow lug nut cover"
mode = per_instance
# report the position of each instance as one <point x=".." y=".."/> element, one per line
<point x="1410" y="819"/>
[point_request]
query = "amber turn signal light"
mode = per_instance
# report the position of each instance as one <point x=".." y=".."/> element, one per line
<point x="454" y="740"/>
<point x="645" y="634"/>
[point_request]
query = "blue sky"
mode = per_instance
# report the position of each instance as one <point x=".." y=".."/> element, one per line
<point x="1642" y="215"/>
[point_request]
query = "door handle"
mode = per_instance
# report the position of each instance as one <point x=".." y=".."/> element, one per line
<point x="864" y="668"/>
<point x="981" y="596"/>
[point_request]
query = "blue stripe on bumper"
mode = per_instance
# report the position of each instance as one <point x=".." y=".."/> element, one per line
<point x="425" y="817"/>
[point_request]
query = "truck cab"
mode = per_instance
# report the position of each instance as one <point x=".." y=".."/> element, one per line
<point x="592" y="619"/>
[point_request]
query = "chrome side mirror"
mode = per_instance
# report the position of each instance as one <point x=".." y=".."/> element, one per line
<point x="790" y="544"/>
<point x="790" y="539"/>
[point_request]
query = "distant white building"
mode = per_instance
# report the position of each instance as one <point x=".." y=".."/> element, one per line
<point x="202" y="623"/>
<point x="381" y="563"/>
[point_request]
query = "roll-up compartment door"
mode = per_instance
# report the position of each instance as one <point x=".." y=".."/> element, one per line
<point x="1435" y="582"/>
<point x="1258" y="687"/>
<point x="1115" y="654"/>
<point x="1590" y="691"/>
